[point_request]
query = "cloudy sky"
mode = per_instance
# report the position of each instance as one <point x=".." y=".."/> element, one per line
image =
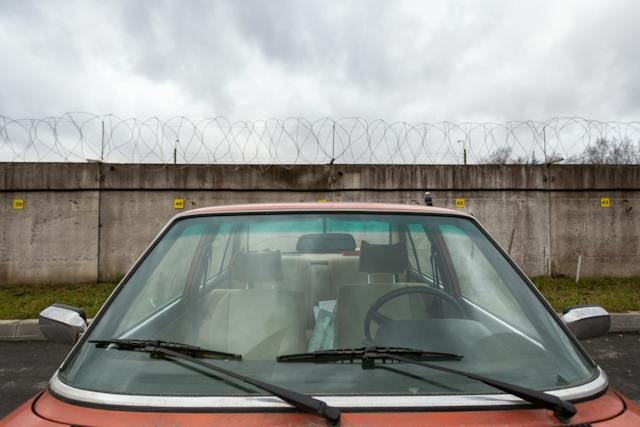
<point x="397" y="60"/>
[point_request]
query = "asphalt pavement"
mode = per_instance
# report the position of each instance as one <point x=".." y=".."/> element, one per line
<point x="619" y="357"/>
<point x="26" y="366"/>
<point x="25" y="369"/>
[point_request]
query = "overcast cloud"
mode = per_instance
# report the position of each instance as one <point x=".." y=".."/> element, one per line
<point x="400" y="60"/>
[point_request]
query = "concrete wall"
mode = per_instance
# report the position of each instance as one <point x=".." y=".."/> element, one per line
<point x="84" y="222"/>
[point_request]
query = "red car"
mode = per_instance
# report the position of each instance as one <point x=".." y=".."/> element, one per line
<point x="315" y="314"/>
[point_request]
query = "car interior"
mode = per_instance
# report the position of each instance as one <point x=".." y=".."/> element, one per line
<point x="322" y="297"/>
<point x="332" y="291"/>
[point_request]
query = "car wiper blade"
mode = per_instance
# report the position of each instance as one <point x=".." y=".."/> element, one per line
<point x="366" y="354"/>
<point x="562" y="409"/>
<point x="149" y="346"/>
<point x="301" y="401"/>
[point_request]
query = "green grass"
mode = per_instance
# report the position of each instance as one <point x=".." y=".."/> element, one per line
<point x="26" y="301"/>
<point x="614" y="294"/>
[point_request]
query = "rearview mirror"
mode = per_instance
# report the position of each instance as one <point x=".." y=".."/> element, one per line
<point x="586" y="321"/>
<point x="62" y="323"/>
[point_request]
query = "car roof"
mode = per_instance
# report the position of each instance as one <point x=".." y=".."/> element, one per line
<point x="320" y="206"/>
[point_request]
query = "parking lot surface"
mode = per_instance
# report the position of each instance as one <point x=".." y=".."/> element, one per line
<point x="25" y="367"/>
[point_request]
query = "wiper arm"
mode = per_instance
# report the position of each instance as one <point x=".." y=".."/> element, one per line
<point x="301" y="401"/>
<point x="368" y="355"/>
<point x="149" y="346"/>
<point x="562" y="409"/>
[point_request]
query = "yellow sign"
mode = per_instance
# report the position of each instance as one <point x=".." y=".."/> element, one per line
<point x="459" y="203"/>
<point x="178" y="203"/>
<point x="18" y="204"/>
<point x="605" y="202"/>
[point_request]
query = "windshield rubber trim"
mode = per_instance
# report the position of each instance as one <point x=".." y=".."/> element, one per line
<point x="360" y="403"/>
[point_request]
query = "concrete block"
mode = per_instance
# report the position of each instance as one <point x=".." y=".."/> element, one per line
<point x="29" y="330"/>
<point x="625" y="322"/>
<point x="8" y="329"/>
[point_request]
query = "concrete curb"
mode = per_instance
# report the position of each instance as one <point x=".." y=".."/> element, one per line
<point x="28" y="330"/>
<point x="20" y="330"/>
<point x="625" y="322"/>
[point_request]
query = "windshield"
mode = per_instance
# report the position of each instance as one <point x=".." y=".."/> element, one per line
<point x="268" y="285"/>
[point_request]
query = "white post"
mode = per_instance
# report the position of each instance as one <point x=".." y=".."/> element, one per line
<point x="578" y="269"/>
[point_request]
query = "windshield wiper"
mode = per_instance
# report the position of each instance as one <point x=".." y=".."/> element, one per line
<point x="149" y="346"/>
<point x="562" y="409"/>
<point x="181" y="351"/>
<point x="366" y="354"/>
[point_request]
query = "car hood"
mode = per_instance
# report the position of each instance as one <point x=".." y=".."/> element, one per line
<point x="605" y="407"/>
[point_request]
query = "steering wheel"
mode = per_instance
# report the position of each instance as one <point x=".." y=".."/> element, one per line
<point x="374" y="315"/>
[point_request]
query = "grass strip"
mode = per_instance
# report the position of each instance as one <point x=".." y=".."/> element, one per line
<point x="26" y="301"/>
<point x="616" y="295"/>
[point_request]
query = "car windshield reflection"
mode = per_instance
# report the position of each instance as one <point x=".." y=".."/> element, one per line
<point x="262" y="286"/>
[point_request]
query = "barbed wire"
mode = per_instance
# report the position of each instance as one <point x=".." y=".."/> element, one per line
<point x="83" y="137"/>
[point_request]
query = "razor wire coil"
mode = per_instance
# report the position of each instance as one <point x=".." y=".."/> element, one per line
<point x="84" y="137"/>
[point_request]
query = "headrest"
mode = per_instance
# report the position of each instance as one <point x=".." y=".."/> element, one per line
<point x="257" y="267"/>
<point x="383" y="258"/>
<point x="325" y="243"/>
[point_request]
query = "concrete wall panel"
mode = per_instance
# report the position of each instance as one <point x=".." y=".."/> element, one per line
<point x="52" y="239"/>
<point x="545" y="215"/>
<point x="607" y="238"/>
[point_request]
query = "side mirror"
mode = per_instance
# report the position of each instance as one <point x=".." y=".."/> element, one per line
<point x="586" y="321"/>
<point x="62" y="323"/>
